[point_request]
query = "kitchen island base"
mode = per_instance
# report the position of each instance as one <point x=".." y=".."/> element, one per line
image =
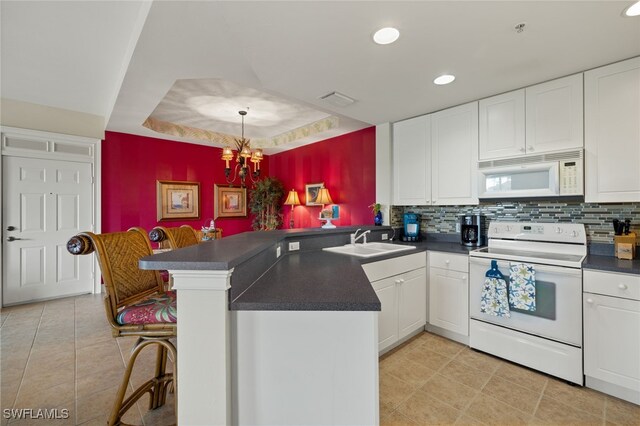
<point x="305" y="367"/>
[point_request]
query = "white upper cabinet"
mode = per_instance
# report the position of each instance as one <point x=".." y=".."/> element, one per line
<point x="411" y="160"/>
<point x="554" y="115"/>
<point x="502" y="126"/>
<point x="612" y="132"/>
<point x="454" y="155"/>
<point x="542" y="118"/>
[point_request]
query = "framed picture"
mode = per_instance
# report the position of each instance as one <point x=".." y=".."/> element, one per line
<point x="311" y="193"/>
<point x="229" y="202"/>
<point x="178" y="200"/>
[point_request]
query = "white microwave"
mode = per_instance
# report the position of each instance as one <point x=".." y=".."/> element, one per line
<point x="538" y="179"/>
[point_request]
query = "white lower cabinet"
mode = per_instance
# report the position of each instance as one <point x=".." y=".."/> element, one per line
<point x="449" y="295"/>
<point x="402" y="296"/>
<point x="612" y="333"/>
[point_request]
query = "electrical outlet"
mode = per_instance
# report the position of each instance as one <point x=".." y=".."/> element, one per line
<point x="294" y="246"/>
<point x="278" y="251"/>
<point x="385" y="237"/>
<point x="457" y="227"/>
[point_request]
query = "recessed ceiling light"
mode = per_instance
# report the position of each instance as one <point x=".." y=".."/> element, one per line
<point x="386" y="35"/>
<point x="633" y="10"/>
<point x="444" y="79"/>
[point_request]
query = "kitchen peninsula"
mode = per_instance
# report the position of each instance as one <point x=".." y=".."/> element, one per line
<point x="271" y="334"/>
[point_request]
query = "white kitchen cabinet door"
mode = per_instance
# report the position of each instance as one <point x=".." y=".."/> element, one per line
<point x="612" y="132"/>
<point x="411" y="162"/>
<point x="554" y="115"/>
<point x="612" y="340"/>
<point x="387" y="292"/>
<point x="412" y="304"/>
<point x="449" y="300"/>
<point x="502" y="126"/>
<point x="454" y="150"/>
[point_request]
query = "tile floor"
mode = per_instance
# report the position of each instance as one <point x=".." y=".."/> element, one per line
<point x="433" y="380"/>
<point x="60" y="354"/>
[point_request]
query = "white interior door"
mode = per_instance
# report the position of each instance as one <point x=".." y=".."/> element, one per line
<point x="45" y="202"/>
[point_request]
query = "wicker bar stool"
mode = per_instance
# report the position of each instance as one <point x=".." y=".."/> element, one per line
<point x="176" y="238"/>
<point x="136" y="305"/>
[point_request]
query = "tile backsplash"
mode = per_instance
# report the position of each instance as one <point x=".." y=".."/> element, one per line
<point x="595" y="217"/>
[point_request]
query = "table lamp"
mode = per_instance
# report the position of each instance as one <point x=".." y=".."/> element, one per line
<point x="324" y="198"/>
<point x="292" y="200"/>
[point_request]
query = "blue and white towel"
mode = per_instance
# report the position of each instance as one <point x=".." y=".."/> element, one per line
<point x="494" y="298"/>
<point x="522" y="286"/>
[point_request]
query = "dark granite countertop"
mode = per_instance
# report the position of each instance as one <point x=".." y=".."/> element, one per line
<point x="612" y="264"/>
<point x="230" y="251"/>
<point x="311" y="281"/>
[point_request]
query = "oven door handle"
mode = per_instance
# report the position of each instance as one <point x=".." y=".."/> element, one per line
<point x="562" y="270"/>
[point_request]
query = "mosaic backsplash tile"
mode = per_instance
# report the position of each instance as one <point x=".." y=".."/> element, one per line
<point x="595" y="217"/>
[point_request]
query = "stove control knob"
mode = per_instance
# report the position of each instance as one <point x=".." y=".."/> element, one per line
<point x="622" y="286"/>
<point x="508" y="228"/>
<point x="574" y="234"/>
<point x="558" y="230"/>
<point x="495" y="229"/>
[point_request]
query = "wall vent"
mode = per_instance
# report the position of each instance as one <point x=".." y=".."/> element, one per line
<point x="337" y="99"/>
<point x="531" y="159"/>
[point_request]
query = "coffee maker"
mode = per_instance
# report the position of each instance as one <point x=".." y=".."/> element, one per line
<point x="411" y="227"/>
<point x="472" y="230"/>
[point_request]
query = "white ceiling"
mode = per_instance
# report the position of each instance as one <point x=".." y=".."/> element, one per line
<point x="70" y="54"/>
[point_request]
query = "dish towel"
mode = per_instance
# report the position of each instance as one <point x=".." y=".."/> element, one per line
<point x="494" y="298"/>
<point x="522" y="286"/>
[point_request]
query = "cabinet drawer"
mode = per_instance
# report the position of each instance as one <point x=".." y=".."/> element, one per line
<point x="612" y="284"/>
<point x="454" y="262"/>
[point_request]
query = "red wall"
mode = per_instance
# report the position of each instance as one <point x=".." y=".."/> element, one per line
<point x="130" y="167"/>
<point x="347" y="166"/>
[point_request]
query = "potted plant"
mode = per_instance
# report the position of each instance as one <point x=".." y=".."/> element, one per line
<point x="377" y="218"/>
<point x="265" y="203"/>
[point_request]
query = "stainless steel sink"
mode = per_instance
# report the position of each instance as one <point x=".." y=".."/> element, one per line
<point x="369" y="249"/>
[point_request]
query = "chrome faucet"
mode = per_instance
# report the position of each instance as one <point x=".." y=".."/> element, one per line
<point x="355" y="237"/>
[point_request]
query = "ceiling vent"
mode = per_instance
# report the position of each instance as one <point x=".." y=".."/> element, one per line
<point x="337" y="99"/>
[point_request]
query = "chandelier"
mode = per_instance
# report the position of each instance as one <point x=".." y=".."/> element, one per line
<point x="244" y="155"/>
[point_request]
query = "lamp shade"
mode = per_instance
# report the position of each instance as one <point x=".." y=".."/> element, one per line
<point x="324" y="197"/>
<point x="292" y="198"/>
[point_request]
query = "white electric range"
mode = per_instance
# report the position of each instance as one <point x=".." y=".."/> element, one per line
<point x="548" y="338"/>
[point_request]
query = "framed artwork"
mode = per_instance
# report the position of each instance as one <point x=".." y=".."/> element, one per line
<point x="229" y="202"/>
<point x="178" y="200"/>
<point x="311" y="193"/>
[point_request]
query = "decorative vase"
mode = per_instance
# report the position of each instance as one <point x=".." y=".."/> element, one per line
<point x="377" y="219"/>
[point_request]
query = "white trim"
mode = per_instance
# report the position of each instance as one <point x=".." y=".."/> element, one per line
<point x="97" y="209"/>
<point x="201" y="280"/>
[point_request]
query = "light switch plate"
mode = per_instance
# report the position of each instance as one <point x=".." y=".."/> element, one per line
<point x="457" y="227"/>
<point x="278" y="251"/>
<point x="294" y="246"/>
<point x="385" y="237"/>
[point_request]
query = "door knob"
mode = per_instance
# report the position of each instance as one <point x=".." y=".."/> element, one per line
<point x="13" y="239"/>
<point x="11" y="228"/>
<point x="622" y="286"/>
<point x="589" y="300"/>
